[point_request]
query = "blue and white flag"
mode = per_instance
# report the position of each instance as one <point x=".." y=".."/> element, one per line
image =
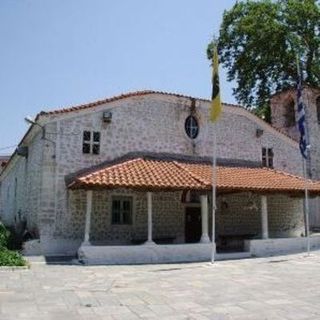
<point x="302" y="122"/>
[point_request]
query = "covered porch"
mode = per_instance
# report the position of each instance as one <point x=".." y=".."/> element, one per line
<point x="147" y="210"/>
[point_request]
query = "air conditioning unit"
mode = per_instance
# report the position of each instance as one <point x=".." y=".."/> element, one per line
<point x="107" y="116"/>
<point x="22" y="151"/>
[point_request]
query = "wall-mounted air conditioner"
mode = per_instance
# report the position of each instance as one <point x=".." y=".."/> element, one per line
<point x="107" y="116"/>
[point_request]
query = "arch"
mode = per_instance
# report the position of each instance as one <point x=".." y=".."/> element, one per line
<point x="289" y="113"/>
<point x="318" y="108"/>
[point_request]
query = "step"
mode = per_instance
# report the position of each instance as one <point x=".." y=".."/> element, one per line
<point x="233" y="255"/>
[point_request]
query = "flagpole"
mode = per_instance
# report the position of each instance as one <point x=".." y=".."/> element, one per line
<point x="214" y="189"/>
<point x="304" y="161"/>
<point x="215" y="112"/>
<point x="306" y="204"/>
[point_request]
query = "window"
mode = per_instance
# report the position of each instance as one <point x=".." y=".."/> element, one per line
<point x="318" y="108"/>
<point x="267" y="157"/>
<point x="191" y="126"/>
<point x="289" y="114"/>
<point x="91" y="142"/>
<point x="15" y="187"/>
<point x="121" y="210"/>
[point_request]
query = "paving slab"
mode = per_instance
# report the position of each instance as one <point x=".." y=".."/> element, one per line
<point x="252" y="289"/>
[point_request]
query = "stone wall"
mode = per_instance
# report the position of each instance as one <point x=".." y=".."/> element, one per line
<point x="286" y="217"/>
<point x="237" y="215"/>
<point x="21" y="188"/>
<point x="168" y="217"/>
<point x="240" y="214"/>
<point x="310" y="96"/>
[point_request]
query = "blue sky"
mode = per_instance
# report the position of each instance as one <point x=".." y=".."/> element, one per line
<point x="66" y="52"/>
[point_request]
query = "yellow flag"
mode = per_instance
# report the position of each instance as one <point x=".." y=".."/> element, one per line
<point x="216" y="102"/>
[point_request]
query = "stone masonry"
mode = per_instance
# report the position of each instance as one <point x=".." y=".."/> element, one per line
<point x="311" y="99"/>
<point x="152" y="123"/>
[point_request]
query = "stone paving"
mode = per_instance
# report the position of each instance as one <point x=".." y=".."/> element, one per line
<point x="286" y="287"/>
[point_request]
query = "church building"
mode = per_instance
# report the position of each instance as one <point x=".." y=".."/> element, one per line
<point x="128" y="179"/>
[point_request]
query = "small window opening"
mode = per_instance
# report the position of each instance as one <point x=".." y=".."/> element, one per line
<point x="318" y="109"/>
<point x="91" y="142"/>
<point x="121" y="210"/>
<point x="191" y="127"/>
<point x="289" y="114"/>
<point x="15" y="187"/>
<point x="267" y="157"/>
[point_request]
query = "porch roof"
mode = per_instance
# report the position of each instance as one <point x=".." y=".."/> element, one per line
<point x="169" y="175"/>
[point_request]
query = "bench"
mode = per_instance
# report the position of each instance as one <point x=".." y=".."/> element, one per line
<point x="161" y="240"/>
<point x="233" y="242"/>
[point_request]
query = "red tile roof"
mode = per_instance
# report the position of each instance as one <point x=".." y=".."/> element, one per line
<point x="140" y="174"/>
<point x="122" y="96"/>
<point x="150" y="174"/>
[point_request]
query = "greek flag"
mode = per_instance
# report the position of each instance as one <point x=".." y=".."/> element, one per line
<point x="302" y="122"/>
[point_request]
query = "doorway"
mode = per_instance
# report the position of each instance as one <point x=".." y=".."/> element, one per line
<point x="192" y="224"/>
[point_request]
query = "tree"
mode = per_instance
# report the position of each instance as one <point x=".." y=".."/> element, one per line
<point x="258" y="44"/>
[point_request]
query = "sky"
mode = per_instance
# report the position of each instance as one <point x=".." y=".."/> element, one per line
<point x="67" y="52"/>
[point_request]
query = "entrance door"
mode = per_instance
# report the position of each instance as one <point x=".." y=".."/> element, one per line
<point x="193" y="225"/>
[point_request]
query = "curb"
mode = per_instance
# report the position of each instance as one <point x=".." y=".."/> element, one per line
<point x="14" y="268"/>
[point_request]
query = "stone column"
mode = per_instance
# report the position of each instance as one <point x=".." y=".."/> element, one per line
<point x="264" y="217"/>
<point x="86" y="241"/>
<point x="204" y="219"/>
<point x="149" y="204"/>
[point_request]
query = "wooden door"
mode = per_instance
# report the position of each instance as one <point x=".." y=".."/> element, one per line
<point x="193" y="225"/>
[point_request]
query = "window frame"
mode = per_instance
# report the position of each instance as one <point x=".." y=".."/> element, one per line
<point x="90" y="144"/>
<point x="190" y="134"/>
<point x="267" y="157"/>
<point x="122" y="199"/>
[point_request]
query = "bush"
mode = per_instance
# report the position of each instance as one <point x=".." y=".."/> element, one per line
<point x="14" y="240"/>
<point x="4" y="236"/>
<point x="8" y="257"/>
<point x="11" y="258"/>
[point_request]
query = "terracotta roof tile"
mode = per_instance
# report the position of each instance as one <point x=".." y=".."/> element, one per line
<point x="140" y="174"/>
<point x="118" y="97"/>
<point x="150" y="174"/>
<point x="254" y="179"/>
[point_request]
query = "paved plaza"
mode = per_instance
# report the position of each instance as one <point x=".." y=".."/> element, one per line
<point x="286" y="287"/>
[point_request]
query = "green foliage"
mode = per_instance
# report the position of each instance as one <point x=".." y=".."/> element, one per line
<point x="263" y="112"/>
<point x="8" y="257"/>
<point x="11" y="258"/>
<point x="4" y="236"/>
<point x="259" y="42"/>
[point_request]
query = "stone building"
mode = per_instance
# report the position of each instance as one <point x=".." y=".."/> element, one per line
<point x="284" y="114"/>
<point x="128" y="179"/>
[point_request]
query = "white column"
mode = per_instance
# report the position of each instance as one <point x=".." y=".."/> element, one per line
<point x="204" y="219"/>
<point x="86" y="241"/>
<point x="264" y="217"/>
<point x="149" y="203"/>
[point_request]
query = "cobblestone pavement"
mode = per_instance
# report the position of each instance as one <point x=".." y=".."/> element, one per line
<point x="285" y="287"/>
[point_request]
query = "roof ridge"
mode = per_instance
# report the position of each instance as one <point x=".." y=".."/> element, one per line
<point x="112" y="166"/>
<point x="106" y="167"/>
<point x="118" y="97"/>
<point x="285" y="173"/>
<point x="194" y="176"/>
